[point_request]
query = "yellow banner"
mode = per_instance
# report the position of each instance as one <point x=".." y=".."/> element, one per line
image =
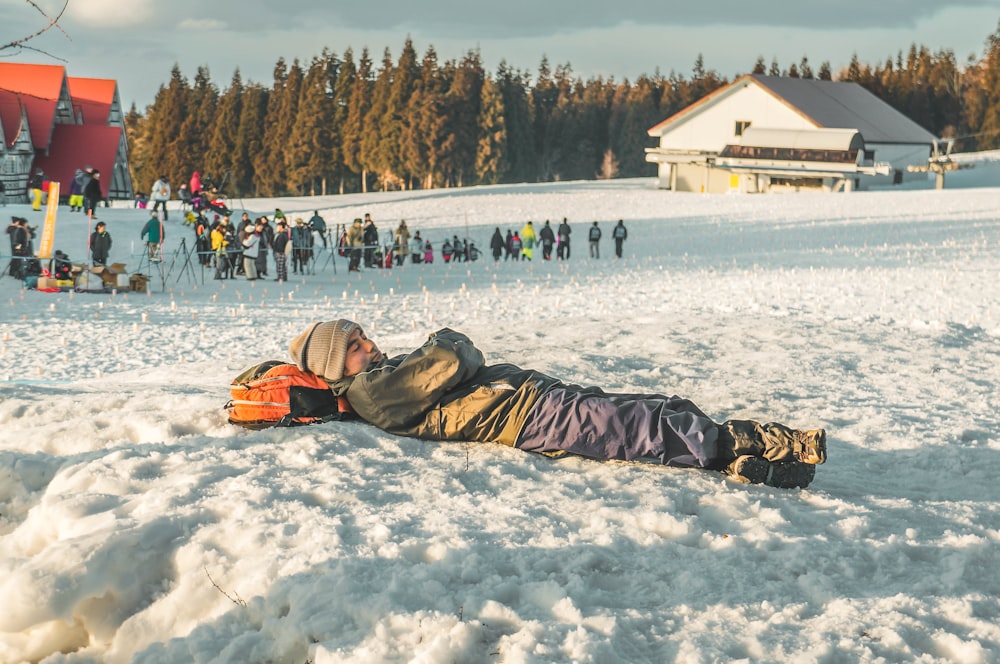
<point x="49" y="230"/>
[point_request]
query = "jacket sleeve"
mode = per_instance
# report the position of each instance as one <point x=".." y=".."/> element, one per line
<point x="396" y="396"/>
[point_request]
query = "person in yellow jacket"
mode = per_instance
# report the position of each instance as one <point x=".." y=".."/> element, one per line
<point x="528" y="240"/>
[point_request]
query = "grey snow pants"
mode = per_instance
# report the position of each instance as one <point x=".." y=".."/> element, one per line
<point x="592" y="423"/>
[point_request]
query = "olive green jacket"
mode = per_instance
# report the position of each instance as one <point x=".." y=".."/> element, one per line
<point x="444" y="390"/>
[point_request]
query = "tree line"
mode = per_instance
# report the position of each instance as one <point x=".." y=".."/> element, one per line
<point x="342" y="124"/>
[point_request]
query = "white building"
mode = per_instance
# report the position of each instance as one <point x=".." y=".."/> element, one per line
<point x="771" y="133"/>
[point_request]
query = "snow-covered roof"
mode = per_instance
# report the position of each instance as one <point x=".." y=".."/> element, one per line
<point x="826" y="104"/>
<point x="803" y="139"/>
<point x="843" y="104"/>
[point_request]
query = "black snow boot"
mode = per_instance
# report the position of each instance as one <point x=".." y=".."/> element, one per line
<point x="779" y="474"/>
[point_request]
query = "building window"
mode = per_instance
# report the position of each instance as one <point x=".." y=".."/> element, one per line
<point x="741" y="125"/>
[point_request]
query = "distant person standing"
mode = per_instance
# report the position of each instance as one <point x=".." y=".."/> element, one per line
<point x="562" y="248"/>
<point x="251" y="247"/>
<point x="417" y="249"/>
<point x="160" y="195"/>
<point x="594" y="235"/>
<point x="402" y="246"/>
<point x="356" y="242"/>
<point x="371" y="240"/>
<point x="302" y="243"/>
<point x="620" y="234"/>
<point x="497" y="244"/>
<point x="318" y="224"/>
<point x="92" y="194"/>
<point x="281" y="245"/>
<point x="152" y="233"/>
<point x="264" y="243"/>
<point x="528" y="240"/>
<point x="100" y="244"/>
<point x="76" y="191"/>
<point x="515" y="246"/>
<point x="35" y="185"/>
<point x="548" y="239"/>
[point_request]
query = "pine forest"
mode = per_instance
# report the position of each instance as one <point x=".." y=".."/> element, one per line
<point x="344" y="123"/>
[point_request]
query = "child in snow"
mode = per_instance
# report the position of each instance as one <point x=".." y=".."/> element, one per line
<point x="444" y="390"/>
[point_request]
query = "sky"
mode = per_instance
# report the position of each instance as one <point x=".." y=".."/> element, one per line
<point x="137" y="525"/>
<point x="137" y="42"/>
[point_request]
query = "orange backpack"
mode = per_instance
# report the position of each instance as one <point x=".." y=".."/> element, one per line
<point x="278" y="394"/>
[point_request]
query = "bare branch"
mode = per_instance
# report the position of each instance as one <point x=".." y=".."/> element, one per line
<point x="53" y="23"/>
<point x="239" y="601"/>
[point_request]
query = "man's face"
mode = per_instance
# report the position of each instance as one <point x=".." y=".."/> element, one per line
<point x="361" y="352"/>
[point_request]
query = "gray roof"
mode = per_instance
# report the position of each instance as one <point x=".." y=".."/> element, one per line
<point x="839" y="104"/>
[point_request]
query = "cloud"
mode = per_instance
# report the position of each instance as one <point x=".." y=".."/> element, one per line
<point x="203" y="24"/>
<point x="514" y="19"/>
<point x="521" y="18"/>
<point x="110" y="13"/>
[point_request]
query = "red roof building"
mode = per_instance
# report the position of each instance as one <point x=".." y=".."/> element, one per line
<point x="60" y="124"/>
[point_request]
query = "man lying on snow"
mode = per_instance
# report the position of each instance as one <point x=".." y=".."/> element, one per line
<point x="444" y="390"/>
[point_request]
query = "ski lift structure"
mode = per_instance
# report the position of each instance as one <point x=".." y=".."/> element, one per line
<point x="941" y="161"/>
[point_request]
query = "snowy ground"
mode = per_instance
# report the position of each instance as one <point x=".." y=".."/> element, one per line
<point x="137" y="525"/>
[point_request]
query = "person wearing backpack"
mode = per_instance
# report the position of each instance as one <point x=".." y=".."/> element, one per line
<point x="594" y="235"/>
<point x="153" y="234"/>
<point x="445" y="390"/>
<point x="620" y="234"/>
<point x="562" y="248"/>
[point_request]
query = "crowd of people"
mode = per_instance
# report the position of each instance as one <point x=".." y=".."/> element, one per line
<point x="521" y="245"/>
<point x="242" y="248"/>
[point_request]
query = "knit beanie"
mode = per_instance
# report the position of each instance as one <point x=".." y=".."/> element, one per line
<point x="322" y="348"/>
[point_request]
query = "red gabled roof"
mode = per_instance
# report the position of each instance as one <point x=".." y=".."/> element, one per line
<point x="38" y="88"/>
<point x="94" y="97"/>
<point x="10" y="117"/>
<point x="76" y="146"/>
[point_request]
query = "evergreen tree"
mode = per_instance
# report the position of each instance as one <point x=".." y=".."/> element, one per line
<point x="357" y="115"/>
<point x="520" y="151"/>
<point x="544" y="97"/>
<point x="424" y="128"/>
<point x="195" y="133"/>
<point x="805" y="71"/>
<point x="399" y="114"/>
<point x="346" y="75"/>
<point x="491" y="158"/>
<point x="220" y="159"/>
<point x="982" y="96"/>
<point x="374" y="153"/>
<point x="775" y="69"/>
<point x="282" y="111"/>
<point x="759" y="67"/>
<point x="136" y="130"/>
<point x="309" y="142"/>
<point x="248" y="164"/>
<point x="164" y="119"/>
<point x="824" y="71"/>
<point x="853" y="73"/>
<point x="640" y="114"/>
<point x="458" y="158"/>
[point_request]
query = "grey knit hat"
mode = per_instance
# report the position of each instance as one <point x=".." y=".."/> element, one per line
<point x="322" y="348"/>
